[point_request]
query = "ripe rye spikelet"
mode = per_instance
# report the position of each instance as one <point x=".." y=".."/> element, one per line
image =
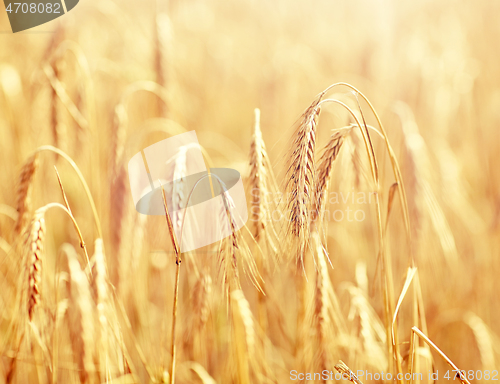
<point x="300" y="176"/>
<point x="36" y="236"/>
<point x="24" y="192"/>
<point x="324" y="172"/>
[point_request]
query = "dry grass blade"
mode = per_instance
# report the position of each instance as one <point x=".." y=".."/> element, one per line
<point x="429" y="342"/>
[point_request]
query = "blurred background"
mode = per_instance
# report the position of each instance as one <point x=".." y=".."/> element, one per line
<point x="89" y="81"/>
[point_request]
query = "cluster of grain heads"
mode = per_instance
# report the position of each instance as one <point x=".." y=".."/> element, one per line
<point x="119" y="216"/>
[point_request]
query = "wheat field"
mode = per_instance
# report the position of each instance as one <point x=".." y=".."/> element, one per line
<point x="367" y="137"/>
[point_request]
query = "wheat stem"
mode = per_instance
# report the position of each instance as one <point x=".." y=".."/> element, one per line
<point x="176" y="287"/>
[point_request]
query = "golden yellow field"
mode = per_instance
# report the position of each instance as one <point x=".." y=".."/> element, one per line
<point x="373" y="236"/>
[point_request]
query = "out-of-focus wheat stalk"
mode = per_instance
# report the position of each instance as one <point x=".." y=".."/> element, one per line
<point x="324" y="174"/>
<point x="81" y="315"/>
<point x="300" y="184"/>
<point x="178" y="260"/>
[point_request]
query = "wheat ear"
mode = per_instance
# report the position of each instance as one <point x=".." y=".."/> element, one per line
<point x="24" y="188"/>
<point x="324" y="173"/>
<point x="35" y="255"/>
<point x="300" y="185"/>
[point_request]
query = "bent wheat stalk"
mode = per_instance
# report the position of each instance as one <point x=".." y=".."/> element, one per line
<point x="459" y="374"/>
<point x="80" y="177"/>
